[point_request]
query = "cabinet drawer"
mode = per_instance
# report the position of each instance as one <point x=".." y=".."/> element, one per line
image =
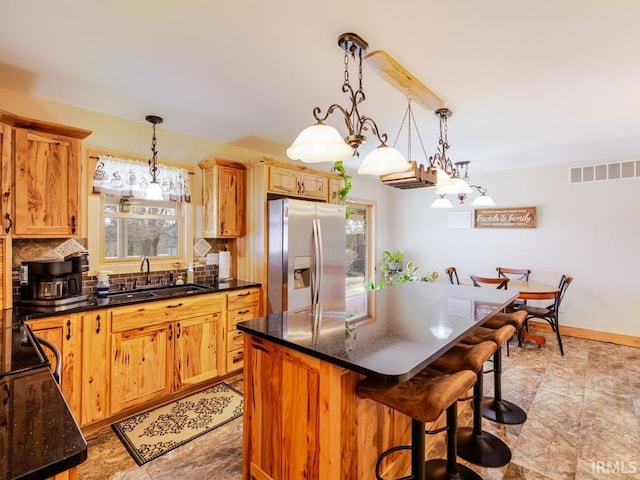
<point x="151" y="313"/>
<point x="235" y="360"/>
<point x="235" y="340"/>
<point x="241" y="298"/>
<point x="240" y="315"/>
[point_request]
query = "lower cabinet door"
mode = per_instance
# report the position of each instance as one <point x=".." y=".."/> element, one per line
<point x="95" y="366"/>
<point x="65" y="333"/>
<point x="141" y="365"/>
<point x="199" y="349"/>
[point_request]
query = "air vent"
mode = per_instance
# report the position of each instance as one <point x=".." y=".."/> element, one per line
<point x="604" y="171"/>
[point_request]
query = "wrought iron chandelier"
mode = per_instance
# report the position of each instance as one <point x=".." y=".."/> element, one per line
<point x="323" y="143"/>
<point x="154" y="191"/>
<point x="459" y="186"/>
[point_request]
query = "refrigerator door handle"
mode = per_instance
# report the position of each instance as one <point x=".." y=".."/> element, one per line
<point x="320" y="263"/>
<point x="314" y="267"/>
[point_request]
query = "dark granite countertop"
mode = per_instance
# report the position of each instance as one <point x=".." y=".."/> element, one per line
<point x="412" y="325"/>
<point x="24" y="312"/>
<point x="38" y="434"/>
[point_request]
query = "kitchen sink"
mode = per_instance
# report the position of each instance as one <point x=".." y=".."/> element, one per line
<point x="149" y="292"/>
<point x="123" y="296"/>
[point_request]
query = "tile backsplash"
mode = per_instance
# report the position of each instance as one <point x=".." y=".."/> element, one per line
<point x="56" y="249"/>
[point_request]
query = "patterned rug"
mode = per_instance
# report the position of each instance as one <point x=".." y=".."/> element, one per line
<point x="151" y="434"/>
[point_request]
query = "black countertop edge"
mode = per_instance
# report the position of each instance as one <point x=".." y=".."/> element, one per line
<point x="23" y="313"/>
<point x="395" y="378"/>
<point x="56" y="424"/>
<point x="56" y="468"/>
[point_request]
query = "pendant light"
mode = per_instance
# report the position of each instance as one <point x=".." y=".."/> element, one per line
<point x="154" y="191"/>
<point x="323" y="143"/>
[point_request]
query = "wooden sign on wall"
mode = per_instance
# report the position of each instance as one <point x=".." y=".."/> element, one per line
<point x="519" y="217"/>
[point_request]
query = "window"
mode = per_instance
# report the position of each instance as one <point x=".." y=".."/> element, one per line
<point x="359" y="259"/>
<point x="123" y="226"/>
<point x="133" y="228"/>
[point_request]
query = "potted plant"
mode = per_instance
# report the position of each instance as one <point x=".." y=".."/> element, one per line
<point x="394" y="260"/>
<point x="394" y="272"/>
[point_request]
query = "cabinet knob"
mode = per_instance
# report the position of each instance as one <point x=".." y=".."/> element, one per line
<point x="74" y="225"/>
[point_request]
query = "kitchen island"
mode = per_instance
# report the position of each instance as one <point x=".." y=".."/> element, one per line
<point x="303" y="418"/>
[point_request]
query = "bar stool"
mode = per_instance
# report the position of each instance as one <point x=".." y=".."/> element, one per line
<point x="478" y="447"/>
<point x="472" y="442"/>
<point x="424" y="398"/>
<point x="496" y="408"/>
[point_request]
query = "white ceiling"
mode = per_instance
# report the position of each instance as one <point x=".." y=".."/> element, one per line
<point x="530" y="83"/>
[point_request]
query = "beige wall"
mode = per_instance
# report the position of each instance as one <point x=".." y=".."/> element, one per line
<point x="589" y="231"/>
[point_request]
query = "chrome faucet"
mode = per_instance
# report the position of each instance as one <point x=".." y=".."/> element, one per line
<point x="148" y="275"/>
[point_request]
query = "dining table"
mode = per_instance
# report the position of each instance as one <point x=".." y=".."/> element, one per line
<point x="529" y="290"/>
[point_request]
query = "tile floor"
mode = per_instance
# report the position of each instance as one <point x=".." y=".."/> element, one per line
<point x="584" y="423"/>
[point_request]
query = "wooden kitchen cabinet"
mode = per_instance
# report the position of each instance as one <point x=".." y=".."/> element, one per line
<point x="5" y="419"/>
<point x="140" y="365"/>
<point x="5" y="179"/>
<point x="164" y="346"/>
<point x="47" y="182"/>
<point x="288" y="181"/>
<point x="222" y="198"/>
<point x="241" y="305"/>
<point x="65" y="333"/>
<point x="198" y="350"/>
<point x="95" y="366"/>
<point x="6" y="294"/>
<point x="40" y="178"/>
<point x="335" y="185"/>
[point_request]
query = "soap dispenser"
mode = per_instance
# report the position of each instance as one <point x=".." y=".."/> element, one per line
<point x="190" y="274"/>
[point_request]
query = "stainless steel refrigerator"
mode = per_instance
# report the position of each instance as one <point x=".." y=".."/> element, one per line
<point x="306" y="255"/>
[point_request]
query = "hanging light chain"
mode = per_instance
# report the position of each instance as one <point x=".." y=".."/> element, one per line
<point x="153" y="162"/>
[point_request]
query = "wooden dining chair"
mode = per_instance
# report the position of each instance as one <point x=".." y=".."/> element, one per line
<point x="497" y="282"/>
<point x="452" y="274"/>
<point x="550" y="312"/>
<point x="515" y="274"/>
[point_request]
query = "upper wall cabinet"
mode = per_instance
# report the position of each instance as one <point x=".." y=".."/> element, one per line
<point x="222" y="198"/>
<point x="296" y="183"/>
<point x="5" y="179"/>
<point x="46" y="184"/>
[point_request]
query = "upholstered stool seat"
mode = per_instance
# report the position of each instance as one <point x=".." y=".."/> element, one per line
<point x="476" y="446"/>
<point x="424" y="398"/>
<point x="496" y="408"/>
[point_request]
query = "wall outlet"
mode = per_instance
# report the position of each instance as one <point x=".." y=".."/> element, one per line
<point x="213" y="259"/>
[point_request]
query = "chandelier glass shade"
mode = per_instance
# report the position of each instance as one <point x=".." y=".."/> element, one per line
<point x="383" y="160"/>
<point x="319" y="143"/>
<point x="483" y="200"/>
<point x="457" y="187"/>
<point x="442" y="202"/>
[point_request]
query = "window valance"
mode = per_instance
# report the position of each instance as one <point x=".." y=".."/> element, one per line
<point x="130" y="179"/>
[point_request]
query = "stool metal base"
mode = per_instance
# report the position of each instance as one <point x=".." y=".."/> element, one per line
<point x="502" y="411"/>
<point x="437" y="470"/>
<point x="485" y="450"/>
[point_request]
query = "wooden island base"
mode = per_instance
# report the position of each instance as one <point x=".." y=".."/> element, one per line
<point x="303" y="419"/>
